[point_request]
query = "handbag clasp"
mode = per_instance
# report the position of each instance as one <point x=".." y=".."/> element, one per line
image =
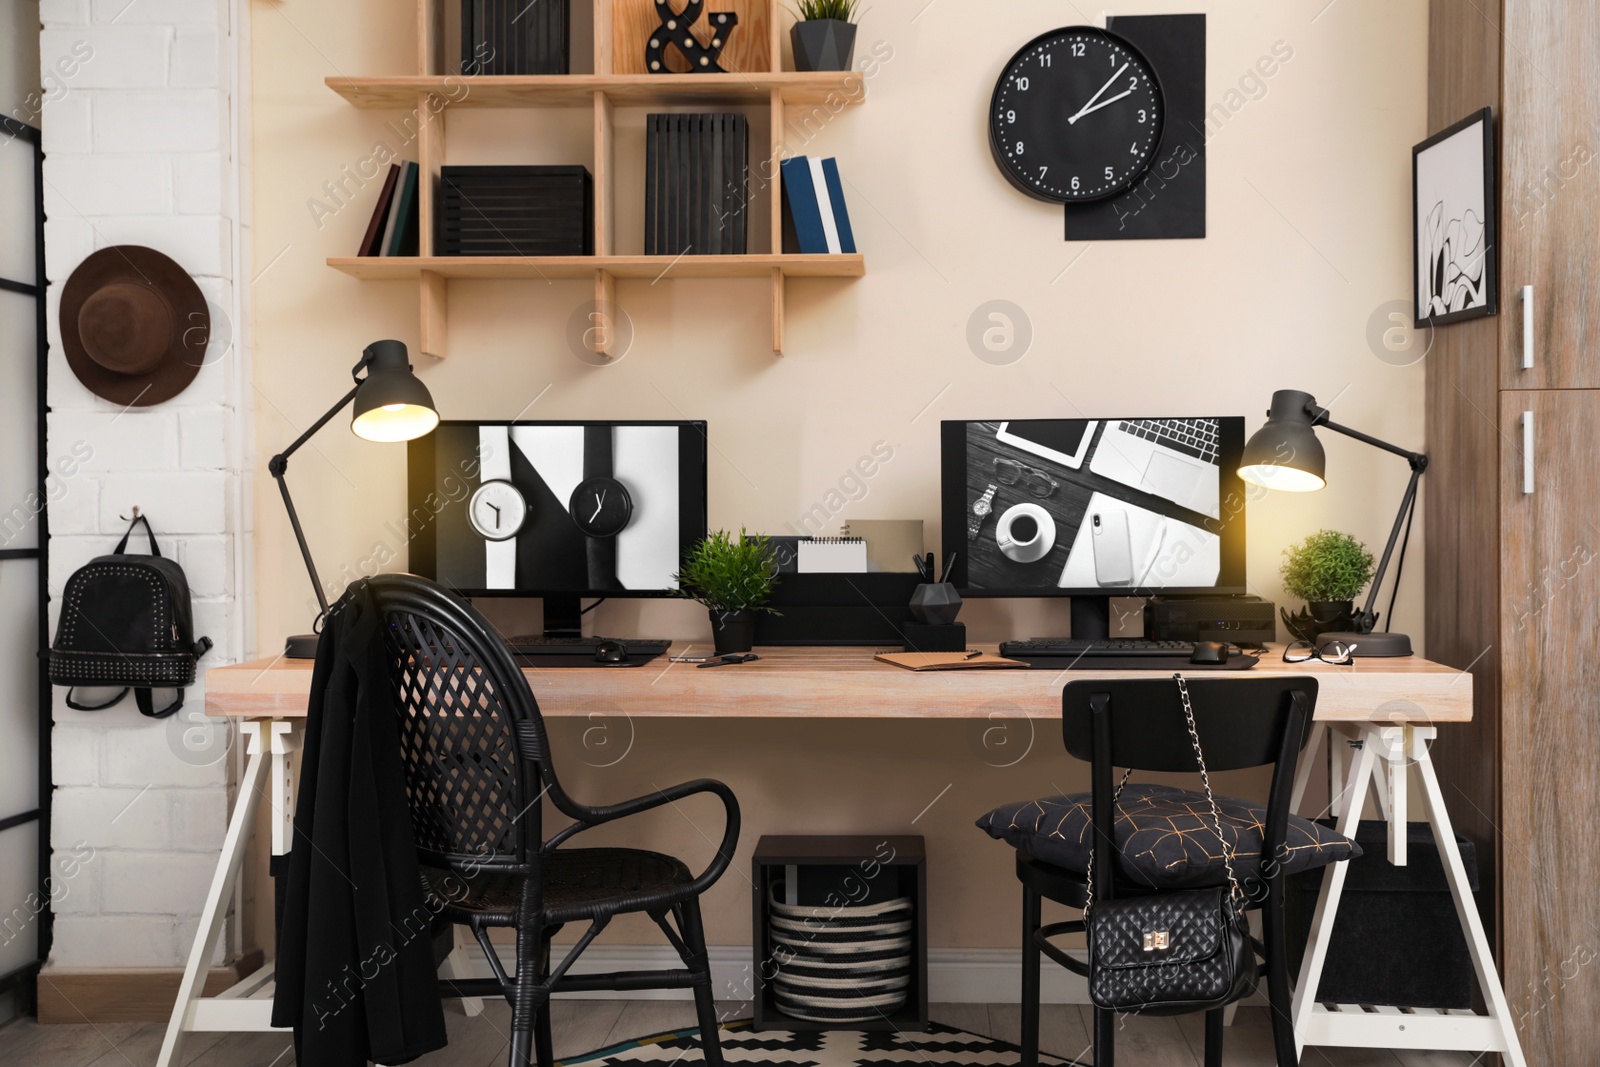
<point x="1157" y="939"/>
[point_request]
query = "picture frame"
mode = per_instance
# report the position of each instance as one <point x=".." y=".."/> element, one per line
<point x="1454" y="250"/>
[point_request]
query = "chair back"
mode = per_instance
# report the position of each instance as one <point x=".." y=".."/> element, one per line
<point x="476" y="757"/>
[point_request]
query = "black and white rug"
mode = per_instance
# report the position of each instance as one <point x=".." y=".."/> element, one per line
<point x="939" y="1047"/>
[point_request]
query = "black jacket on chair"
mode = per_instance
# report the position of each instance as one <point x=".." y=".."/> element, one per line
<point x="356" y="974"/>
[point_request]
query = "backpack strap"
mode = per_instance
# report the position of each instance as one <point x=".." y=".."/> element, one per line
<point x="122" y="545"/>
<point x="75" y="706"/>
<point x="147" y="706"/>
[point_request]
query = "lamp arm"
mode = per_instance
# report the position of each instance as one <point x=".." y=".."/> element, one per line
<point x="1407" y="503"/>
<point x="1319" y="417"/>
<point x="278" y="467"/>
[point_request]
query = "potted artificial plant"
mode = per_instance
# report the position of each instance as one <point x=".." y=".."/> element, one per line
<point x="1326" y="570"/>
<point x="824" y="36"/>
<point x="734" y="580"/>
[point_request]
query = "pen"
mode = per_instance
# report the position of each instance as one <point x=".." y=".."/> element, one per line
<point x="922" y="569"/>
<point x="951" y="562"/>
<point x="974" y="654"/>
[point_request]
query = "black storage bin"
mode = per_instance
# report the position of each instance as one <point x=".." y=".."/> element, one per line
<point x="1396" y="938"/>
<point x="838" y="609"/>
<point x="516" y="211"/>
<point x="525" y="37"/>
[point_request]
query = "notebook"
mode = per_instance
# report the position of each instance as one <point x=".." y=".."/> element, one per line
<point x="832" y="555"/>
<point x="946" y="661"/>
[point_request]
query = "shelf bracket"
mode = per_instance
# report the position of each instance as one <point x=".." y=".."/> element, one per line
<point x="601" y="335"/>
<point x="434" y="304"/>
<point x="777" y="311"/>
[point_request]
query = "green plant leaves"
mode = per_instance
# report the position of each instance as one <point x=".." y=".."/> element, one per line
<point x="812" y="10"/>
<point x="730" y="575"/>
<point x="1328" y="565"/>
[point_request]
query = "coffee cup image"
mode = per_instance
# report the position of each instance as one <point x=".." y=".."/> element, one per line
<point x="1025" y="533"/>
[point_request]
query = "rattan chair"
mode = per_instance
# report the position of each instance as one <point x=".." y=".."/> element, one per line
<point x="478" y="772"/>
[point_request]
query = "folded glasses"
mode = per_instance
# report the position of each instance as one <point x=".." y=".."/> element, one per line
<point x="1336" y="652"/>
<point x="1038" y="483"/>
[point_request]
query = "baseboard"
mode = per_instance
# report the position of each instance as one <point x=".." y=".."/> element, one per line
<point x="126" y="995"/>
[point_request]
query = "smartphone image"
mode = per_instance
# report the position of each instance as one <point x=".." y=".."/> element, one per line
<point x="1113" y="555"/>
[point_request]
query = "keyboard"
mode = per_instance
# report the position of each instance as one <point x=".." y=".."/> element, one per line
<point x="1192" y="437"/>
<point x="1063" y="651"/>
<point x="542" y="651"/>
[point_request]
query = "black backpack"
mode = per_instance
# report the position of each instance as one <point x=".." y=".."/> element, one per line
<point x="126" y="621"/>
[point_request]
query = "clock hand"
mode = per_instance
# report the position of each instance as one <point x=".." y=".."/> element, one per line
<point x="599" y="502"/>
<point x="496" y="515"/>
<point x="1101" y="104"/>
<point x="1084" y="110"/>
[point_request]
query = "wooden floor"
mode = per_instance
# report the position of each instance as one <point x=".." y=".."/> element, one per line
<point x="583" y="1025"/>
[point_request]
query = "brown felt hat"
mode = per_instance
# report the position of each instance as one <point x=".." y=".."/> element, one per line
<point x="134" y="325"/>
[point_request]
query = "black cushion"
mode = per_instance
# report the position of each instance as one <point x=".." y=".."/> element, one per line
<point x="1164" y="835"/>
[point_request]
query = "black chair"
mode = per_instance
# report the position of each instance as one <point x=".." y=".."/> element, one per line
<point x="1138" y="723"/>
<point x="478" y="772"/>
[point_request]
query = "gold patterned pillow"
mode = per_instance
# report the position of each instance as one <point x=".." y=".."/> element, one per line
<point x="1164" y="835"/>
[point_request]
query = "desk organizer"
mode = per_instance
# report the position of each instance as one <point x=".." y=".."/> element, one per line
<point x="516" y="211"/>
<point x="841" y="933"/>
<point x="838" y="609"/>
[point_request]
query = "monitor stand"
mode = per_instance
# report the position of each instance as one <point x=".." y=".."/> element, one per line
<point x="1091" y="618"/>
<point x="563" y="617"/>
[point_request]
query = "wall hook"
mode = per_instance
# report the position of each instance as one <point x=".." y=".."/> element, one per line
<point x="135" y="516"/>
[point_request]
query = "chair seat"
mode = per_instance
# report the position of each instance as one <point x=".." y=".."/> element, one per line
<point x="579" y="883"/>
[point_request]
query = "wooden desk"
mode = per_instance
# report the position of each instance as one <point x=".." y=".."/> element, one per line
<point x="1382" y="714"/>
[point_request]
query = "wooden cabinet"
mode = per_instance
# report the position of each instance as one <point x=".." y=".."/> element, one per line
<point x="1513" y="576"/>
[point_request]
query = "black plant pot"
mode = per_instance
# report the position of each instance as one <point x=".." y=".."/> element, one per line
<point x="823" y="44"/>
<point x="733" y="631"/>
<point x="1321" y="617"/>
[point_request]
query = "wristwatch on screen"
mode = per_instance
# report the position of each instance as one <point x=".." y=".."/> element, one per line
<point x="497" y="509"/>
<point x="601" y="507"/>
<point x="980" y="511"/>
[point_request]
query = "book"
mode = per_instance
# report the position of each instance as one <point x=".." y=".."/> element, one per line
<point x="380" y="213"/>
<point x="841" y="216"/>
<point x="739" y="181"/>
<point x="394" y="214"/>
<point x="800" y="202"/>
<point x="405" y="194"/>
<point x="947" y="661"/>
<point x="830" y="230"/>
<point x="408" y="230"/>
<point x="891" y="543"/>
<point x="832" y="555"/>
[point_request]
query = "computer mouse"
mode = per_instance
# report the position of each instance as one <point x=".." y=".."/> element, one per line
<point x="1209" y="652"/>
<point x="611" y="652"/>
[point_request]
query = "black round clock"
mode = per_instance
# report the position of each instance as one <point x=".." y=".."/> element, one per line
<point x="601" y="506"/>
<point x="1076" y="116"/>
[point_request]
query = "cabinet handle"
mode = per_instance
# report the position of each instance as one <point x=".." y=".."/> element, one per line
<point x="1527" y="329"/>
<point x="1527" y="452"/>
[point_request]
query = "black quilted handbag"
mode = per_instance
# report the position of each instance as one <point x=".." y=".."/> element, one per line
<point x="1172" y="953"/>
<point x="126" y="621"/>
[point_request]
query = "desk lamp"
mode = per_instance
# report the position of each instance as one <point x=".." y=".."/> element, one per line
<point x="1286" y="455"/>
<point x="391" y="405"/>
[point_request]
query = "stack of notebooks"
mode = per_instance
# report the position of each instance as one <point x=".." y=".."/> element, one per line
<point x="516" y="211"/>
<point x="395" y="224"/>
<point x="814" y="217"/>
<point x="514" y="36"/>
<point x="696" y="191"/>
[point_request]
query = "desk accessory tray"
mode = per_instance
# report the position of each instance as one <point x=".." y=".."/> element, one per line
<point x="838" y="609"/>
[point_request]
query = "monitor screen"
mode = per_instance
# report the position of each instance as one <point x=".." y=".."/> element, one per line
<point x="1094" y="507"/>
<point x="552" y="509"/>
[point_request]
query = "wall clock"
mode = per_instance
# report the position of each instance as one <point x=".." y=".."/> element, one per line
<point x="497" y="510"/>
<point x="1076" y="116"/>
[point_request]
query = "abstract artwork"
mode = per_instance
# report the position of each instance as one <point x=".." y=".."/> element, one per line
<point x="1453" y="202"/>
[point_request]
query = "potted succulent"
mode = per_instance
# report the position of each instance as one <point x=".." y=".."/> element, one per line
<point x="824" y="35"/>
<point x="1327" y="570"/>
<point x="734" y="580"/>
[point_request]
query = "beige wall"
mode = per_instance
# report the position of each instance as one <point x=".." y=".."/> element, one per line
<point x="1309" y="220"/>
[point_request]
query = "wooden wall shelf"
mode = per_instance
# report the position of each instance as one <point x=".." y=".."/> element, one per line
<point x="397" y="268"/>
<point x="432" y="93"/>
<point x="624" y="90"/>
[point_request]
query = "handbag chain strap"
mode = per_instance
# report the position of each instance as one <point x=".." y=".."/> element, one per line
<point x="1235" y="893"/>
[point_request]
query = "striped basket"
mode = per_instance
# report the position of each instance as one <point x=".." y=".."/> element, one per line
<point x="847" y="964"/>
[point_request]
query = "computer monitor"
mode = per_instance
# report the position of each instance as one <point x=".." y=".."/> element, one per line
<point x="1094" y="508"/>
<point x="557" y="510"/>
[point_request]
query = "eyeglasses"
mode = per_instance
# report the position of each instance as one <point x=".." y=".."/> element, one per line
<point x="1010" y="472"/>
<point x="1335" y="652"/>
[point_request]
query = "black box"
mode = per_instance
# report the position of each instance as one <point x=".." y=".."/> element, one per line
<point x="935" y="637"/>
<point x="521" y="38"/>
<point x="838" y="609"/>
<point x="515" y="211"/>
<point x="1247" y="620"/>
<point x="1396" y="938"/>
<point x="697" y="176"/>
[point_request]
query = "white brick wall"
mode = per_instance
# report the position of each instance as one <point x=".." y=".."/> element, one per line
<point x="138" y="152"/>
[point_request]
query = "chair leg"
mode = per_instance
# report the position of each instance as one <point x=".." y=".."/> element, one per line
<point x="1280" y="1001"/>
<point x="1214" y="1031"/>
<point x="529" y="999"/>
<point x="705" y="1005"/>
<point x="1030" y="978"/>
<point x="543" y="1046"/>
<point x="1105" y="1037"/>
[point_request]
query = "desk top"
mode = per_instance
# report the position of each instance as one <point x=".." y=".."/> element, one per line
<point x="848" y="683"/>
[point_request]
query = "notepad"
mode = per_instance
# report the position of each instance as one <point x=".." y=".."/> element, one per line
<point x="946" y="661"/>
<point x="833" y="555"/>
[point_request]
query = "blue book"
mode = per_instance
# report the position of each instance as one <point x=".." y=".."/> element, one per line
<point x="841" y="216"/>
<point x="801" y="196"/>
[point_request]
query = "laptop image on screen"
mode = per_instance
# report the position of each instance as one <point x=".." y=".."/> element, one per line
<point x="1175" y="459"/>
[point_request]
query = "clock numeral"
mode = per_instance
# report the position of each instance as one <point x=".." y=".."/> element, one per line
<point x="1011" y="116"/>
<point x="1074" y="181"/>
<point x="1110" y="174"/>
<point x="1022" y="85"/>
<point x="1077" y="48"/>
<point x="1043" y="171"/>
<point x="1133" y="82"/>
<point x="1044" y="60"/>
<point x="1019" y="148"/>
<point x="1143" y="114"/>
<point x="1134" y="148"/>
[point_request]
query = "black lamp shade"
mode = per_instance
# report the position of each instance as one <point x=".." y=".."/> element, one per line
<point x="1285" y="453"/>
<point x="391" y="404"/>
